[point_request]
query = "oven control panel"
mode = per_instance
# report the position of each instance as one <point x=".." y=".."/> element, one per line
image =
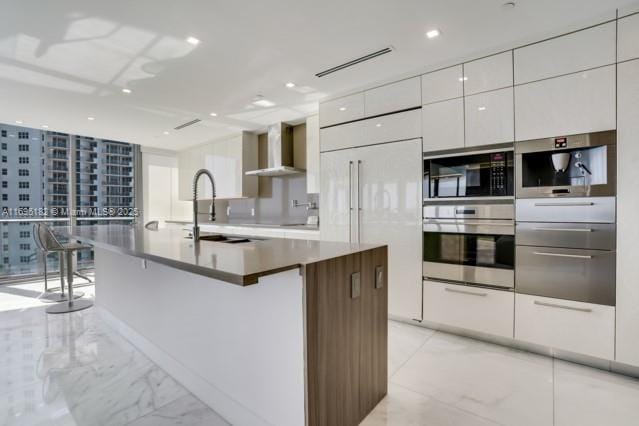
<point x="498" y="174"/>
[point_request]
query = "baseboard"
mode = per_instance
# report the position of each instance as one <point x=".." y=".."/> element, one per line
<point x="230" y="409"/>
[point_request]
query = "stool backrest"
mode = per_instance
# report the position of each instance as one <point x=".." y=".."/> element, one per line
<point x="44" y="237"/>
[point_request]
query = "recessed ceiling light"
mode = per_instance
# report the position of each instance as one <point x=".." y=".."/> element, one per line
<point x="264" y="103"/>
<point x="213" y="114"/>
<point x="127" y="91"/>
<point x="378" y="125"/>
<point x="165" y="132"/>
<point x="433" y="33"/>
<point x="18" y="122"/>
<point x="90" y="118"/>
<point x="44" y="126"/>
<point x="463" y="78"/>
<point x="481" y="108"/>
<point x="290" y="85"/>
<point x="342" y="108"/>
<point x="508" y="5"/>
<point x="192" y="40"/>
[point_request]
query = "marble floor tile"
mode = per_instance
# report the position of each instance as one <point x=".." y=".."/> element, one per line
<point x="500" y="384"/>
<point x="586" y="396"/>
<point x="403" y="341"/>
<point x="407" y="408"/>
<point x="188" y="411"/>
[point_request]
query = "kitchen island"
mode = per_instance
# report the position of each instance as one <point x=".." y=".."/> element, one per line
<point x="277" y="331"/>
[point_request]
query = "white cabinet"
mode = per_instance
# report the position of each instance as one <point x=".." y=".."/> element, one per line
<point x="472" y="308"/>
<point x="489" y="117"/>
<point x="227" y="160"/>
<point x="443" y="125"/>
<point x="373" y="195"/>
<point x="442" y="85"/>
<point x="387" y="128"/>
<point x="578" y="51"/>
<point x="341" y="110"/>
<point x="393" y="97"/>
<point x="490" y="73"/>
<point x="312" y="155"/>
<point x="627" y="207"/>
<point x="628" y="39"/>
<point x="576" y="103"/>
<point x="584" y="328"/>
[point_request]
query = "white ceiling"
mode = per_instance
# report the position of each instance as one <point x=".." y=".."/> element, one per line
<point x="63" y="61"/>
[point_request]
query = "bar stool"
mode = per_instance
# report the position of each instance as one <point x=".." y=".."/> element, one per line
<point x="152" y="225"/>
<point x="45" y="249"/>
<point x="45" y="236"/>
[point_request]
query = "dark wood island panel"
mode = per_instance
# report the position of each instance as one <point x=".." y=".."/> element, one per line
<point x="346" y="337"/>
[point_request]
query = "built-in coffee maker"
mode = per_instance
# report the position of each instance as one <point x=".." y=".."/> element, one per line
<point x="568" y="166"/>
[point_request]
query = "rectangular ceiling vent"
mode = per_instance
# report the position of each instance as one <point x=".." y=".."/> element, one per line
<point x="355" y="62"/>
<point x="187" y="124"/>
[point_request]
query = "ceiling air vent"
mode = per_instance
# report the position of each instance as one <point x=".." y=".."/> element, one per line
<point x="355" y="62"/>
<point x="187" y="124"/>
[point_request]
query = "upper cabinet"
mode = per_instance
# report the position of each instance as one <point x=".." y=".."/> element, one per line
<point x="393" y="97"/>
<point x="443" y="85"/>
<point x="443" y="125"/>
<point x="628" y="38"/>
<point x="312" y="155"/>
<point x="571" y="104"/>
<point x="341" y="110"/>
<point x="227" y="160"/>
<point x="489" y="117"/>
<point x="578" y="51"/>
<point x="490" y="73"/>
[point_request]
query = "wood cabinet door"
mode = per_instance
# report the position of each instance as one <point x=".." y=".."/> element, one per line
<point x="333" y="323"/>
<point x="373" y="358"/>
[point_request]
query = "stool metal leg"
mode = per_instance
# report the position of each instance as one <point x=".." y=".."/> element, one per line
<point x="53" y="296"/>
<point x="72" y="305"/>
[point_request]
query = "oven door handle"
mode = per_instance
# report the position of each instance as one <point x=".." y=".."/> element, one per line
<point x="574" y="256"/>
<point x="564" y="229"/>
<point x="577" y="204"/>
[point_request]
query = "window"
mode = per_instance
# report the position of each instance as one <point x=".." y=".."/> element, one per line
<point x="23" y="185"/>
<point x="4" y="183"/>
<point x="5" y="247"/>
<point x="4" y="135"/>
<point x="4" y="172"/>
<point x="5" y="234"/>
<point x="23" y="148"/>
<point x="23" y="160"/>
<point x="4" y="158"/>
<point x="25" y="246"/>
<point x="5" y="260"/>
<point x="25" y="234"/>
<point x="5" y="197"/>
<point x="21" y="172"/>
<point x="23" y="197"/>
<point x="24" y="259"/>
<point x="23" y="135"/>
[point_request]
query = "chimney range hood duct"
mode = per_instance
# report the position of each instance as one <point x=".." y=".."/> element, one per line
<point x="280" y="152"/>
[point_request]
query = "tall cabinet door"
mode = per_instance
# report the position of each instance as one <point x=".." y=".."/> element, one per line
<point x="337" y="206"/>
<point x="627" y="322"/>
<point x="390" y="201"/>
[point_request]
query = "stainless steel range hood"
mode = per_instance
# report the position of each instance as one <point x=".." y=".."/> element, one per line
<point x="280" y="152"/>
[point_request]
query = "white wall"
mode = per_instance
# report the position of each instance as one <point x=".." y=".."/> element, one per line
<point x="160" y="187"/>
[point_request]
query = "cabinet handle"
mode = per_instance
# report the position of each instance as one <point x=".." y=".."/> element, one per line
<point x="350" y="201"/>
<point x="564" y="229"/>
<point x="356" y="286"/>
<point x="359" y="205"/>
<point x="472" y="293"/>
<point x="574" y="256"/>
<point x="554" y="305"/>
<point x="564" y="204"/>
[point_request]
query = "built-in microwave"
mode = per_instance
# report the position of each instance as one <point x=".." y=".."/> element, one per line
<point x="469" y="175"/>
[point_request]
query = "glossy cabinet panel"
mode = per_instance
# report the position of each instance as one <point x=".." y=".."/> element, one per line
<point x="571" y="104"/>
<point x="227" y="160"/>
<point x="472" y="308"/>
<point x="489" y="118"/>
<point x="578" y="51"/>
<point x="443" y="125"/>
<point x="342" y="109"/>
<point x="583" y="328"/>
<point x="337" y="191"/>
<point x="628" y="38"/>
<point x="490" y="73"/>
<point x="312" y="155"/>
<point x="393" y="97"/>
<point x="387" y="128"/>
<point x="627" y="208"/>
<point x="443" y="84"/>
<point x="389" y="179"/>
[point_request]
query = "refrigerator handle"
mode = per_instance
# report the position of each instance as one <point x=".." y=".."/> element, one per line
<point x="359" y="204"/>
<point x="350" y="202"/>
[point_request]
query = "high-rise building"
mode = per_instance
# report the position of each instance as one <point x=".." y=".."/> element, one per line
<point x="57" y="173"/>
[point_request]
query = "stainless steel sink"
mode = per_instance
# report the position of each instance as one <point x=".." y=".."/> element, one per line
<point x="228" y="239"/>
